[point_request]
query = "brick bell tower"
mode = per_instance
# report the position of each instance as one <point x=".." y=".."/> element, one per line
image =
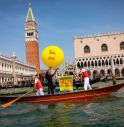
<point x="31" y="38"/>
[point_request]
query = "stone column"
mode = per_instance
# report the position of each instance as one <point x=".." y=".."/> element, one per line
<point x="113" y="70"/>
<point x="14" y="65"/>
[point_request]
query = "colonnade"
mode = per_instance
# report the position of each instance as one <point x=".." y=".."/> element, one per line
<point x="101" y="65"/>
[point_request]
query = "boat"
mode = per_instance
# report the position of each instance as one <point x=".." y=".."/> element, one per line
<point x="69" y="96"/>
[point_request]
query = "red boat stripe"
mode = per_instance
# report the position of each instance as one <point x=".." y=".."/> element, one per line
<point x="71" y="98"/>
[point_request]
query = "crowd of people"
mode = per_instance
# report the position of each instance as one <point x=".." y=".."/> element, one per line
<point x="49" y="76"/>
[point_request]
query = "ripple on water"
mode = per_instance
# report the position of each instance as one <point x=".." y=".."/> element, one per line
<point x="103" y="111"/>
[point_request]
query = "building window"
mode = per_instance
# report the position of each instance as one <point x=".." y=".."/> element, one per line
<point x="104" y="48"/>
<point x="82" y="65"/>
<point x="81" y="41"/>
<point x="30" y="34"/>
<point x="95" y="63"/>
<point x="106" y="62"/>
<point x="99" y="63"/>
<point x="88" y="63"/>
<point x="85" y="64"/>
<point x="117" y="61"/>
<point x="78" y="65"/>
<point x="86" y="49"/>
<point x="123" y="72"/>
<point x="97" y="39"/>
<point x="121" y="45"/>
<point x="121" y="61"/>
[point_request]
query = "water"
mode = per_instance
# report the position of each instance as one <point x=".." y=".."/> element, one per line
<point x="103" y="111"/>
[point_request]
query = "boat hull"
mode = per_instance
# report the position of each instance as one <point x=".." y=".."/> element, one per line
<point x="70" y="96"/>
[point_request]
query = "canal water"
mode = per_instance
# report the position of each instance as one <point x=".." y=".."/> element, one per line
<point x="99" y="112"/>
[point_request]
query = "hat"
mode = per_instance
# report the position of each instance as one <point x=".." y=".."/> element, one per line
<point x="83" y="70"/>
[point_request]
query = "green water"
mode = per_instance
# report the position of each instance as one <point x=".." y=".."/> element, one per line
<point x="99" y="112"/>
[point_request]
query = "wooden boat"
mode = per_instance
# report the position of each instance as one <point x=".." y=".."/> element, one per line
<point x="70" y="96"/>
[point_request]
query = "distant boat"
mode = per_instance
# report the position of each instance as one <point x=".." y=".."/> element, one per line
<point x="70" y="96"/>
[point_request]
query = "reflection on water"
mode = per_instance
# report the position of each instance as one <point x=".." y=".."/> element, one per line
<point x="102" y="111"/>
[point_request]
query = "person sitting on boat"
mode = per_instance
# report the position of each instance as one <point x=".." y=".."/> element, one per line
<point x="38" y="86"/>
<point x="86" y="79"/>
<point x="49" y="78"/>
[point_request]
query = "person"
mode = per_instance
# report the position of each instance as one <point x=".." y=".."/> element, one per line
<point x="38" y="86"/>
<point x="49" y="78"/>
<point x="86" y="79"/>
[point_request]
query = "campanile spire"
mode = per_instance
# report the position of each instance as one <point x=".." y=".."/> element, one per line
<point x="30" y="16"/>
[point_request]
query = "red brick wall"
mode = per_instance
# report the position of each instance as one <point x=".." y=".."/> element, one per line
<point x="32" y="54"/>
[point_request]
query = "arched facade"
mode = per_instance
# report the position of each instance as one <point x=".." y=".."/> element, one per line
<point x="13" y="70"/>
<point x="102" y="66"/>
<point x="98" y="59"/>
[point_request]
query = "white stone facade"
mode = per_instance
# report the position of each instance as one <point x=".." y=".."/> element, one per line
<point x="94" y="52"/>
<point x="13" y="70"/>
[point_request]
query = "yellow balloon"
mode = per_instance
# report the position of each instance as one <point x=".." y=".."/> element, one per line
<point x="52" y="56"/>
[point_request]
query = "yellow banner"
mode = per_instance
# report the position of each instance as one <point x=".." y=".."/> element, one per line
<point x="66" y="83"/>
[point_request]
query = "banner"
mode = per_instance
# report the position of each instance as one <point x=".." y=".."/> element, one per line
<point x="66" y="83"/>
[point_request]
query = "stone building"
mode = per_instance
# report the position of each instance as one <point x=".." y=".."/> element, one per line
<point x="13" y="71"/>
<point x="94" y="53"/>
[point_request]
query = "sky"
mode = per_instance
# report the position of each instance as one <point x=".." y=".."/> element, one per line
<point x="58" y="21"/>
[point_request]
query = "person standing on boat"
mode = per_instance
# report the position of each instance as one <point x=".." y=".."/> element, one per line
<point x="86" y="79"/>
<point x="38" y="86"/>
<point x="49" y="78"/>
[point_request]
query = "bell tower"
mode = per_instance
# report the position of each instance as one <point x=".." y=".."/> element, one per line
<point x="31" y="40"/>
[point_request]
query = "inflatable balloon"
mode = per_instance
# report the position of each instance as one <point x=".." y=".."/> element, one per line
<point x="52" y="56"/>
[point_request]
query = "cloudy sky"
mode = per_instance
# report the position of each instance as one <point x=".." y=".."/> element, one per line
<point x="58" y="21"/>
